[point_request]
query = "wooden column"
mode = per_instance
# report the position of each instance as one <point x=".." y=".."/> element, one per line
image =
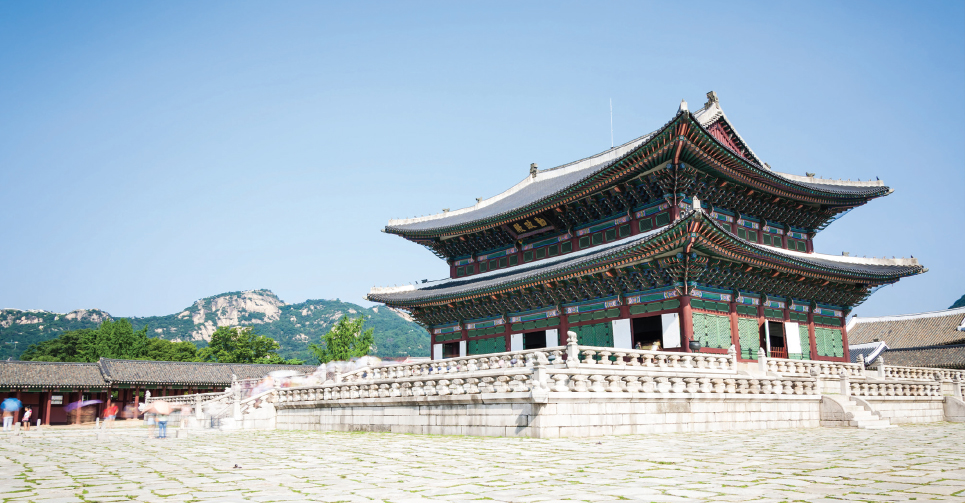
<point x="686" y="323"/>
<point x="810" y="242"/>
<point x="50" y="398"/>
<point x="137" y="400"/>
<point x="734" y="330"/>
<point x="761" y="331"/>
<point x="844" y="337"/>
<point x="16" y="414"/>
<point x="80" y="397"/>
<point x="814" y="344"/>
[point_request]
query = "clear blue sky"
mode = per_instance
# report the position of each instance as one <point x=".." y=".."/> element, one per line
<point x="154" y="153"/>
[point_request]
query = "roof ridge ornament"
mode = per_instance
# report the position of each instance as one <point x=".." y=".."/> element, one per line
<point x="683" y="106"/>
<point x="711" y="99"/>
<point x="533" y="169"/>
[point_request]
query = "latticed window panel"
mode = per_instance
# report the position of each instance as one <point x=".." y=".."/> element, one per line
<point x="750" y="338"/>
<point x="802" y="331"/>
<point x="829" y="341"/>
<point x="599" y="334"/>
<point x="485" y="346"/>
<point x="711" y="330"/>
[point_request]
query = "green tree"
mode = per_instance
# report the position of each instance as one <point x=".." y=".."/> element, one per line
<point x="242" y="345"/>
<point x="112" y="339"/>
<point x="344" y="341"/>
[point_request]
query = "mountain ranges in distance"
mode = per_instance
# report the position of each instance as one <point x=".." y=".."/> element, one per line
<point x="294" y="326"/>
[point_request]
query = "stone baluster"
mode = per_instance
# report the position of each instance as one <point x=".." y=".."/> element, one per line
<point x="730" y="385"/>
<point x="674" y="361"/>
<point x="688" y="361"/>
<point x="442" y="387"/>
<point x="620" y="359"/>
<point x="456" y="387"/>
<point x="702" y="385"/>
<point x="677" y="385"/>
<point x="560" y="384"/>
<point x="588" y="356"/>
<point x="605" y="357"/>
<point x="662" y="361"/>
<point x="487" y="385"/>
<point x="664" y="385"/>
<point x="648" y="384"/>
<point x="578" y="383"/>
<point x="597" y="383"/>
<point x="754" y="386"/>
<point x="632" y="384"/>
<point x="501" y="384"/>
<point x="616" y="384"/>
<point x="766" y="386"/>
<point x="777" y="386"/>
<point x="395" y="390"/>
<point x="521" y="383"/>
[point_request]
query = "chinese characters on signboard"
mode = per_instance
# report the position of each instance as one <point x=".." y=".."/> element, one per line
<point x="530" y="224"/>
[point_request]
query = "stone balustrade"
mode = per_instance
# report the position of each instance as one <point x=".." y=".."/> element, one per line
<point x="189" y="399"/>
<point x="882" y="388"/>
<point x="898" y="372"/>
<point x="657" y="360"/>
<point x="576" y="381"/>
<point x="785" y="366"/>
<point x="464" y="364"/>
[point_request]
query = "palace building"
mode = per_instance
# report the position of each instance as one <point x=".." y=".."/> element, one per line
<point x="681" y="235"/>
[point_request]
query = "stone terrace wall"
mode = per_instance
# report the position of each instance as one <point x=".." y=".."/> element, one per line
<point x="904" y="409"/>
<point x="575" y="415"/>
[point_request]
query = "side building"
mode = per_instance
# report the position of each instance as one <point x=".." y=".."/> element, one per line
<point x="679" y="237"/>
<point x="935" y="339"/>
<point x="49" y="387"/>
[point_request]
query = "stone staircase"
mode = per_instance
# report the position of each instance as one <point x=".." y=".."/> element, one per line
<point x="845" y="412"/>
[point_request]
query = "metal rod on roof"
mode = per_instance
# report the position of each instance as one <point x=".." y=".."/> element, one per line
<point x="611" y="122"/>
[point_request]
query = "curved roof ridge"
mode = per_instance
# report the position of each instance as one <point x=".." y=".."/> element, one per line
<point x="913" y="316"/>
<point x="605" y="157"/>
<point x="848" y="259"/>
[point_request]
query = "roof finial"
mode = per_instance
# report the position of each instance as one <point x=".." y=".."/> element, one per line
<point x="532" y="170"/>
<point x="683" y="106"/>
<point x="711" y="99"/>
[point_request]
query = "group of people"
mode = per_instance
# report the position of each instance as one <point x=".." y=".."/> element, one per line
<point x="10" y="407"/>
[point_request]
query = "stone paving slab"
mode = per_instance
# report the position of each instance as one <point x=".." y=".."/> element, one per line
<point x="907" y="463"/>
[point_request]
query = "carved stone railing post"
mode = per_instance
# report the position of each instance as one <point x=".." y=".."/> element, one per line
<point x="761" y="360"/>
<point x="572" y="350"/>
<point x="881" y="367"/>
<point x="845" y="384"/>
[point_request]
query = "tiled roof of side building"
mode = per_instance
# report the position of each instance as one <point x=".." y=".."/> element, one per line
<point x="869" y="352"/>
<point x="546" y="268"/>
<point x="550" y="182"/>
<point x="155" y="372"/>
<point x="17" y="373"/>
<point x="910" y="330"/>
<point x="946" y="357"/>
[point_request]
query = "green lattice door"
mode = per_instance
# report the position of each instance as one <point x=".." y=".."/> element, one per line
<point x="829" y="341"/>
<point x="802" y="331"/>
<point x="750" y="337"/>
<point x="711" y="330"/>
<point x="600" y="335"/>
<point x="485" y="346"/>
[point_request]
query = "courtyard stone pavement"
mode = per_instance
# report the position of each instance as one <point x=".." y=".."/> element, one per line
<point x="905" y="463"/>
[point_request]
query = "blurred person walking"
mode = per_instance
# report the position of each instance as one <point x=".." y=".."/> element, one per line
<point x="9" y="406"/>
<point x="27" y="412"/>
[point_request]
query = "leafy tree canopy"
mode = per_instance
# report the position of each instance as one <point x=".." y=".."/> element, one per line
<point x="242" y="345"/>
<point x="346" y="340"/>
<point x="112" y="339"/>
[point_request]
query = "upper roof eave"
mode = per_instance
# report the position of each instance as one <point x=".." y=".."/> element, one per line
<point x="540" y="193"/>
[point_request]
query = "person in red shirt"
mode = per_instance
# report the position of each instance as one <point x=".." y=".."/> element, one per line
<point x="109" y="414"/>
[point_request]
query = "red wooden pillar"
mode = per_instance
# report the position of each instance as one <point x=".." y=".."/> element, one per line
<point x="50" y="398"/>
<point x="734" y="331"/>
<point x="137" y="400"/>
<point x="686" y="323"/>
<point x="810" y="242"/>
<point x="814" y="344"/>
<point x="16" y="414"/>
<point x="844" y="337"/>
<point x="564" y="328"/>
<point x="761" y="331"/>
<point x="784" y="240"/>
